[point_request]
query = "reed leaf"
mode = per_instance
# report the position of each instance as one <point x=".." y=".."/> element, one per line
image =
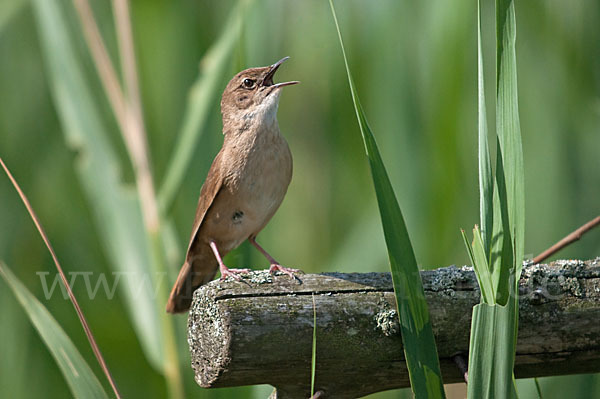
<point x="415" y="325"/>
<point x="495" y="320"/>
<point x="486" y="177"/>
<point x="508" y="126"/>
<point x="313" y="360"/>
<point x="477" y="255"/>
<point x="9" y="9"/>
<point x="79" y="376"/>
<point x="115" y="206"/>
<point x="491" y="355"/>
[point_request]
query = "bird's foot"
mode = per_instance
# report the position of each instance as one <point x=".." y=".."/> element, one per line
<point x="233" y="273"/>
<point x="275" y="267"/>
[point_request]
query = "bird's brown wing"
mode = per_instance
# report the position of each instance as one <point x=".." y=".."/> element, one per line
<point x="199" y="267"/>
<point x="208" y="192"/>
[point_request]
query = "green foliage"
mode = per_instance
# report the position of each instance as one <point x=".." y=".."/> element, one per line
<point x="497" y="254"/>
<point x="8" y="9"/>
<point x="82" y="381"/>
<point x="115" y="206"/>
<point x="414" y="65"/>
<point x="313" y="360"/>
<point x="415" y="325"/>
<point x="491" y="351"/>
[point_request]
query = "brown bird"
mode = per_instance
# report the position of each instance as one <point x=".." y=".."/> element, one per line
<point x="245" y="184"/>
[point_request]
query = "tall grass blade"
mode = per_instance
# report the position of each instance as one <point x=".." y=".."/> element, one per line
<point x="115" y="207"/>
<point x="486" y="178"/>
<point x="313" y="362"/>
<point x="478" y="257"/>
<point x="417" y="335"/>
<point x="202" y="97"/>
<point x="73" y="299"/>
<point x="494" y="325"/>
<point x="538" y="388"/>
<point x="490" y="360"/>
<point x="9" y="9"/>
<point x="127" y="108"/>
<point x="78" y="374"/>
<point x="508" y="126"/>
<point x="502" y="251"/>
<point x="15" y="360"/>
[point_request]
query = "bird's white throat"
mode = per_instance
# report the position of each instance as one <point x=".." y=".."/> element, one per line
<point x="266" y="112"/>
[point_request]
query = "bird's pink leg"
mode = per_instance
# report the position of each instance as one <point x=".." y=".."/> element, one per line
<point x="275" y="266"/>
<point x="225" y="271"/>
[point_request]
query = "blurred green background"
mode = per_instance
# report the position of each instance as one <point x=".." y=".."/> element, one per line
<point x="414" y="64"/>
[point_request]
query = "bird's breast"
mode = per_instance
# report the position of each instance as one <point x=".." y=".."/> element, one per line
<point x="265" y="176"/>
<point x="254" y="186"/>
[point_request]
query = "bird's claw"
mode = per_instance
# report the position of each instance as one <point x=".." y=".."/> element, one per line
<point x="275" y="267"/>
<point x="233" y="273"/>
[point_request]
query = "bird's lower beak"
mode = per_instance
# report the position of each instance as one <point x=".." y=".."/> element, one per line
<point x="268" y="80"/>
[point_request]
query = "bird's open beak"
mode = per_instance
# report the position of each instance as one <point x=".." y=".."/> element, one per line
<point x="268" y="80"/>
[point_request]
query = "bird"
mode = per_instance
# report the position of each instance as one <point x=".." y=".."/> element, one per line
<point x="245" y="185"/>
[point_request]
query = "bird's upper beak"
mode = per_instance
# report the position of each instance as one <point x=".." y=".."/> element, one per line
<point x="268" y="80"/>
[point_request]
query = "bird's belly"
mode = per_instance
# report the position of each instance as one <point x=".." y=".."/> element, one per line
<point x="261" y="195"/>
<point x="245" y="206"/>
<point x="238" y="215"/>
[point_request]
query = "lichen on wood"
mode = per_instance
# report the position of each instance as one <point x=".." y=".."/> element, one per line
<point x="259" y="330"/>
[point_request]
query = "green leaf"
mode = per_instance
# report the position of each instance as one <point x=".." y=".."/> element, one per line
<point x="482" y="269"/>
<point x="495" y="321"/>
<point x="9" y="9"/>
<point x="417" y="335"/>
<point x="502" y="259"/>
<point x="78" y="374"/>
<point x="508" y="126"/>
<point x="202" y="97"/>
<point x="486" y="178"/>
<point x="313" y="367"/>
<point x="114" y="205"/>
<point x="491" y="351"/>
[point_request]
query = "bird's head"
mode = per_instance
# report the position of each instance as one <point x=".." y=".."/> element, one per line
<point x="251" y="94"/>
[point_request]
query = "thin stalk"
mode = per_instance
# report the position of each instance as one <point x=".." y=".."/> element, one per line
<point x="128" y="113"/>
<point x="84" y="323"/>
<point x="102" y="62"/>
<point x="171" y="369"/>
<point x="538" y="388"/>
<point x="127" y="54"/>
<point x="574" y="236"/>
<point x="134" y="132"/>
<point x="314" y="349"/>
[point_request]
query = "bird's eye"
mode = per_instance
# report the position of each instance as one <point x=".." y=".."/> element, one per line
<point x="248" y="83"/>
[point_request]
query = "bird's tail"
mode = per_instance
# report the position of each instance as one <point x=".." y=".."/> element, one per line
<point x="192" y="275"/>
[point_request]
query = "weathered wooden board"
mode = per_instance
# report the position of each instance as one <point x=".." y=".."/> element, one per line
<point x="260" y="330"/>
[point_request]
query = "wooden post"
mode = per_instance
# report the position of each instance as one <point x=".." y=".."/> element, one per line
<point x="259" y="330"/>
